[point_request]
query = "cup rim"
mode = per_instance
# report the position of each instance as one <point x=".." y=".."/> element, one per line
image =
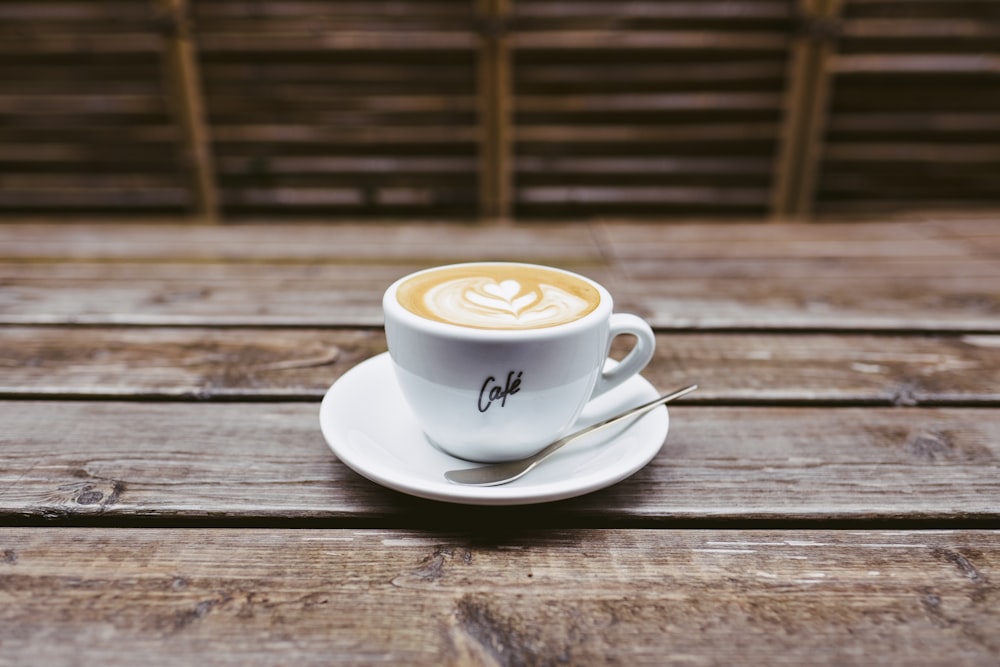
<point x="391" y="306"/>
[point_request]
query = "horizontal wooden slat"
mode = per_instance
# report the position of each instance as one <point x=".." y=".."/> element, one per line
<point x="70" y="12"/>
<point x="77" y="104"/>
<point x="889" y="277"/>
<point x="906" y="152"/>
<point x="915" y="63"/>
<point x="251" y="133"/>
<point x="651" y="10"/>
<point x="920" y="237"/>
<point x="681" y="293"/>
<point x="891" y="123"/>
<point x="252" y="461"/>
<point x="339" y="41"/>
<point x="327" y="165"/>
<point x="517" y="597"/>
<point x="598" y="75"/>
<point x="301" y="364"/>
<point x="709" y="133"/>
<point x="650" y="40"/>
<point x="899" y="28"/>
<point x="83" y="195"/>
<point x="639" y="165"/>
<point x="390" y="243"/>
<point x="76" y="45"/>
<point x="663" y="102"/>
<point x="513" y="598"/>
<point x="642" y="195"/>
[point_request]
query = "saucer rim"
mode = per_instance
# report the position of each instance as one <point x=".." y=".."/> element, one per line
<point x="520" y="492"/>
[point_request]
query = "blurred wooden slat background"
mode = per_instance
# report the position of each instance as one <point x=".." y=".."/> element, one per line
<point x="498" y="109"/>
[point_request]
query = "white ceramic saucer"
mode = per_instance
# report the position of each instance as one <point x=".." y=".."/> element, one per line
<point x="372" y="430"/>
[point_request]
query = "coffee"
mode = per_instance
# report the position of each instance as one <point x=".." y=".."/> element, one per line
<point x="497" y="360"/>
<point x="498" y="296"/>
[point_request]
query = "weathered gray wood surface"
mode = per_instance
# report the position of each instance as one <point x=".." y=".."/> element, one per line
<point x="70" y="461"/>
<point x="890" y="276"/>
<point x="255" y="597"/>
<point x="276" y="364"/>
<point x="166" y="495"/>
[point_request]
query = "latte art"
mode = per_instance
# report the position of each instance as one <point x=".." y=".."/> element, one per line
<point x="496" y="296"/>
<point x="482" y="302"/>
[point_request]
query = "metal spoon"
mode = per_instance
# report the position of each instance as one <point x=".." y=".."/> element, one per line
<point x="495" y="474"/>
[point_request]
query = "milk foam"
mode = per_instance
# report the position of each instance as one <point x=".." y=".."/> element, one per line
<point x="486" y="303"/>
<point x="498" y="295"/>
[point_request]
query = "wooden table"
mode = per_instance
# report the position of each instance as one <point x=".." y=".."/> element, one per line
<point x="831" y="495"/>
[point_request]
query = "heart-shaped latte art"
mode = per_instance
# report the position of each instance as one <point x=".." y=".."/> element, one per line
<point x="506" y="289"/>
<point x="502" y="300"/>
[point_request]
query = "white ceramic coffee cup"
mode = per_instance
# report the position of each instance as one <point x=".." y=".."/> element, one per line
<point x="500" y="394"/>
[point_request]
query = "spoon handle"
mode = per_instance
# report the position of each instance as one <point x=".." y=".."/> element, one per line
<point x="501" y="473"/>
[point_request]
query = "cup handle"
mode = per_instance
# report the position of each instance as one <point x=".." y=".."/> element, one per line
<point x="635" y="360"/>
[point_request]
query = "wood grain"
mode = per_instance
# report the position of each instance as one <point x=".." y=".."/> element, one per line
<point x="287" y="364"/>
<point x="925" y="276"/>
<point x="819" y="294"/>
<point x="288" y="242"/>
<point x="217" y="462"/>
<point x="166" y="495"/>
<point x="249" y="597"/>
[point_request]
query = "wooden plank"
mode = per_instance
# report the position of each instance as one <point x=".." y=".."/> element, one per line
<point x="339" y="41"/>
<point x="298" y="133"/>
<point x="85" y="461"/>
<point x="111" y="13"/>
<point x="82" y="196"/>
<point x="255" y="597"/>
<point x="684" y="294"/>
<point x="81" y="44"/>
<point x="587" y="195"/>
<point x="388" y="10"/>
<point x="673" y="293"/>
<point x="283" y="241"/>
<point x="915" y="63"/>
<point x="913" y="151"/>
<point x="664" y="102"/>
<point x="938" y="27"/>
<point x="913" y="238"/>
<point x="978" y="231"/>
<point x="837" y="296"/>
<point x="636" y="166"/>
<point x="909" y="276"/>
<point x="288" y="364"/>
<point x="660" y="40"/>
<point x="584" y="133"/>
<point x="72" y="105"/>
<point x="186" y="95"/>
<point x="661" y="73"/>
<point x="728" y="12"/>
<point x="180" y="363"/>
